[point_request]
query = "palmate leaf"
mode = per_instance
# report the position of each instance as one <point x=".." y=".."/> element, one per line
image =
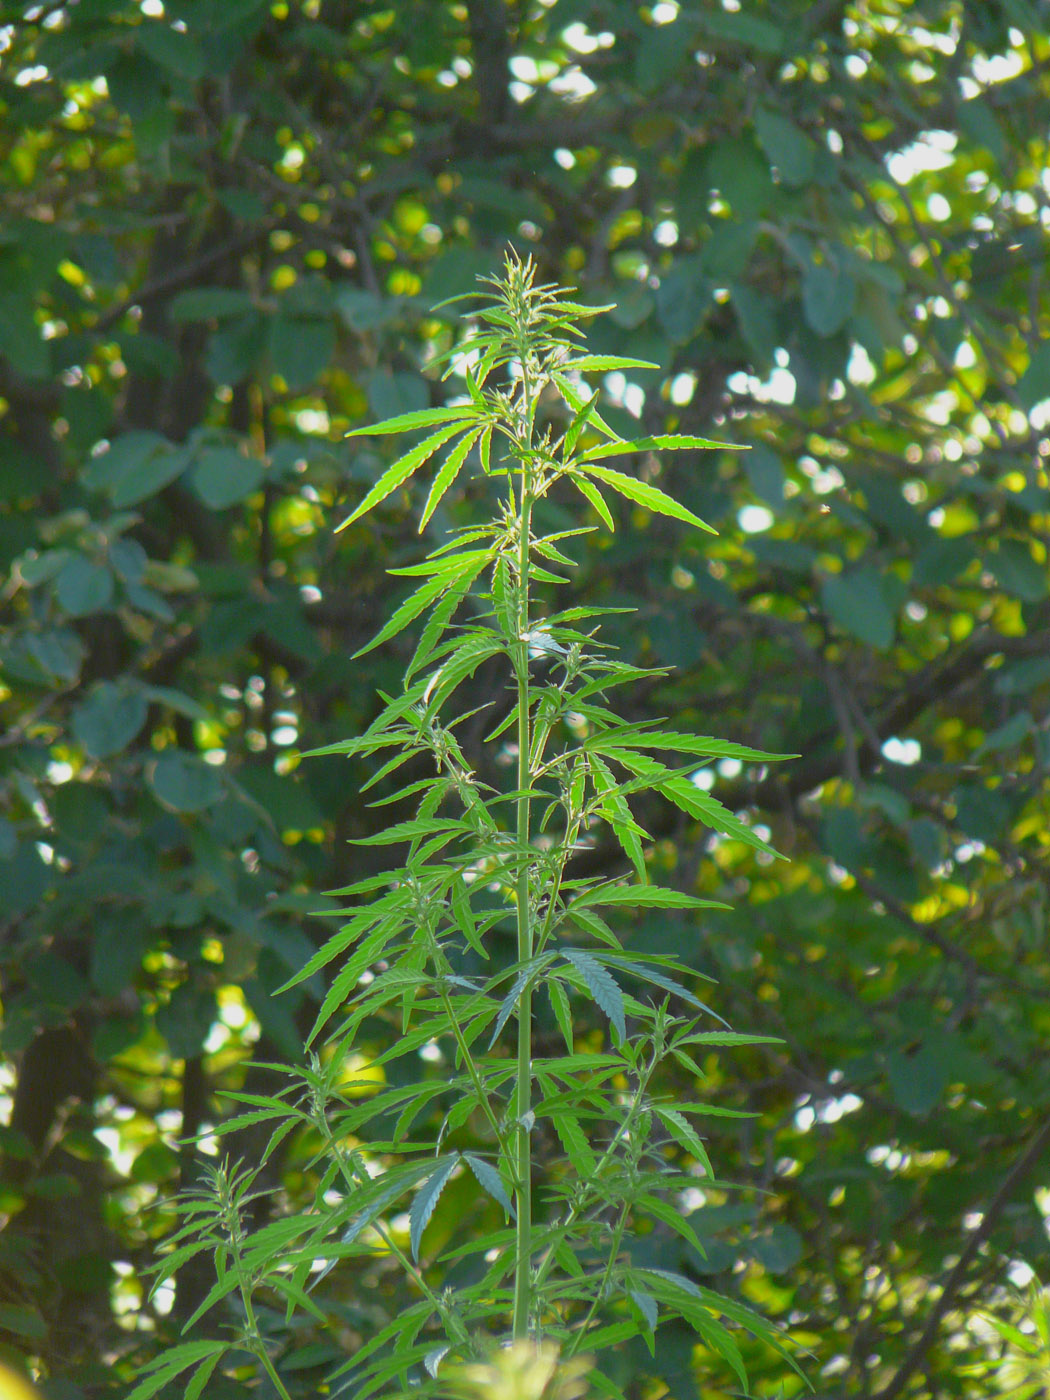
<point x="436" y="625"/>
<point x="650" y="897"/>
<point x="509" y="1004"/>
<point x="576" y="402"/>
<point x="613" y="807"/>
<point x="202" y="1375"/>
<point x="636" y="737"/>
<point x="403" y="468"/>
<point x="664" y="442"/>
<point x="651" y="497"/>
<point x="589" y="363"/>
<point x="562" y="1011"/>
<point x="173" y="1362"/>
<point x="602" y="986"/>
<point x="425" y="1201"/>
<point x="716" y="1303"/>
<point x="590" y="492"/>
<point x="684" y="1134"/>
<point x="577" y="1148"/>
<point x="645" y="973"/>
<point x="730" y="1038"/>
<point x="409" y="422"/>
<point x="446" y="476"/>
<point x="459" y="664"/>
<point x="685" y="794"/>
<point x="429" y="592"/>
<point x="489" y="1180"/>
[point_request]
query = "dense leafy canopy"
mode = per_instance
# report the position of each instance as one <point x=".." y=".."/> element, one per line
<point x="226" y="222"/>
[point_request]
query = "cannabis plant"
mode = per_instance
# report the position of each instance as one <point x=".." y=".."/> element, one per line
<point x="575" y="1145"/>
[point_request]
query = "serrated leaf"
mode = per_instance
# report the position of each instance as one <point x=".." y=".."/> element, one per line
<point x="657" y="979"/>
<point x="425" y="1201"/>
<point x="588" y="363"/>
<point x="201" y="1377"/>
<point x="592" y="924"/>
<point x="464" y="916"/>
<point x="562" y="1011"/>
<point x="420" y="600"/>
<point x="459" y="664"/>
<point x="712" y="813"/>
<point x="502" y="598"/>
<point x="436" y="625"/>
<point x="646" y="1305"/>
<point x="602" y="986"/>
<point x="731" y="1038"/>
<point x="408" y="422"/>
<point x="651" y="497"/>
<point x="446" y="476"/>
<point x="434" y="1358"/>
<point x="721" y="1304"/>
<point x="692" y="799"/>
<point x="579" y="422"/>
<point x="489" y="1180"/>
<point x="662" y="442"/>
<point x="508" y="1004"/>
<point x="662" y="739"/>
<point x="684" y="1134"/>
<point x="373" y="1201"/>
<point x="590" y="492"/>
<point x="569" y="310"/>
<point x="399" y="471"/>
<point x="577" y="1148"/>
<point x="665" y="1211"/>
<point x="576" y="402"/>
<point x="617" y="813"/>
<point x="172" y="1363"/>
<point x="648" y="897"/>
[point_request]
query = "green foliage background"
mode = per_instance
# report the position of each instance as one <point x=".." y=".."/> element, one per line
<point x="224" y="225"/>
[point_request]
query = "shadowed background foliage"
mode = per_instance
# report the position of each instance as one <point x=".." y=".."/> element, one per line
<point x="225" y="223"/>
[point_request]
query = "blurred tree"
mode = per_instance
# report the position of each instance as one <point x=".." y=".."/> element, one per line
<point x="225" y="224"/>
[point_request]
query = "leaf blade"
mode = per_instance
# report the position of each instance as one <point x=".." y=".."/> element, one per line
<point x="651" y="497"/>
<point x="425" y="1202"/>
<point x="399" y="471"/>
<point x="602" y="986"/>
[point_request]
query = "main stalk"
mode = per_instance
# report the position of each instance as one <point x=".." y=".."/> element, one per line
<point x="523" y="1170"/>
<point x="523" y="1173"/>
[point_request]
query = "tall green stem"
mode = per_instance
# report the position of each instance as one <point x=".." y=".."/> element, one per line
<point x="523" y="1173"/>
<point x="523" y="1202"/>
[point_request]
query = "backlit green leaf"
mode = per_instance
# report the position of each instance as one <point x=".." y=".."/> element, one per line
<point x="425" y="1201"/>
<point x="402" y="469"/>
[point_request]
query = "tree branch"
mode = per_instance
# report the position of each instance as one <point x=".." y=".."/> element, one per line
<point x="1013" y="1178"/>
